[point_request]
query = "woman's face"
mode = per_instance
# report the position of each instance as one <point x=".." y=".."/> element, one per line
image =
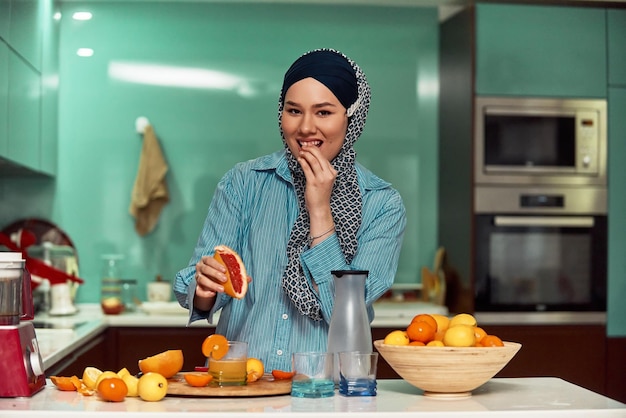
<point x="313" y="116"/>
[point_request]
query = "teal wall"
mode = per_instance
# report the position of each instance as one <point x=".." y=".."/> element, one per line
<point x="204" y="131"/>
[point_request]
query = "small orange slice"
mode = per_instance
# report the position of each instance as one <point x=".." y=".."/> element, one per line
<point x="215" y="345"/>
<point x="198" y="379"/>
<point x="66" y="383"/>
<point x="282" y="375"/>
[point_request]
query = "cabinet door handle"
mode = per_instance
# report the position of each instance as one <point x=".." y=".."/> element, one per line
<point x="554" y="221"/>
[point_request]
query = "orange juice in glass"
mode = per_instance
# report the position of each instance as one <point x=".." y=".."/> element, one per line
<point x="230" y="370"/>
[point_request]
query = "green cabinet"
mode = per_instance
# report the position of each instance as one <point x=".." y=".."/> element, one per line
<point x="616" y="309"/>
<point x="23" y="113"/>
<point x="617" y="47"/>
<point x="4" y="95"/>
<point x="5" y="12"/>
<point x="544" y="51"/>
<point x="28" y="86"/>
<point x="25" y="29"/>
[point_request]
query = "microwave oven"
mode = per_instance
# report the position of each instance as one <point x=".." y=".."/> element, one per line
<point x="540" y="141"/>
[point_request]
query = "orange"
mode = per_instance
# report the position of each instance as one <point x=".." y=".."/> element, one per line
<point x="112" y="389"/>
<point x="282" y="375"/>
<point x="421" y="331"/>
<point x="198" y="379"/>
<point x="491" y="341"/>
<point x="66" y="383"/>
<point x="215" y="345"/>
<point x="254" y="369"/>
<point x="397" y="337"/>
<point x="417" y="343"/>
<point x="479" y="333"/>
<point x="426" y="318"/>
<point x="167" y="363"/>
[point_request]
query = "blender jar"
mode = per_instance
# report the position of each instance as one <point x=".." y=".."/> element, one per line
<point x="111" y="284"/>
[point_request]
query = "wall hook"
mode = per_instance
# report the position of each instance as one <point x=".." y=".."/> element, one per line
<point x="141" y="123"/>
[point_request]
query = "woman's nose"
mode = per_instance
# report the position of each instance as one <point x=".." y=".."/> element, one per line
<point x="307" y="124"/>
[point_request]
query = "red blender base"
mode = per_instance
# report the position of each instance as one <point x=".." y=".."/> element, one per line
<point x="21" y="367"/>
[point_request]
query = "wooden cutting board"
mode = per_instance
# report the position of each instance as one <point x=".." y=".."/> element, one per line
<point x="266" y="386"/>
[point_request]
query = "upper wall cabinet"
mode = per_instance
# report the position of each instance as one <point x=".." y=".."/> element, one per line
<point x="5" y="12"/>
<point x="544" y="51"/>
<point x="617" y="47"/>
<point x="25" y="30"/>
<point x="28" y="87"/>
<point x="4" y="96"/>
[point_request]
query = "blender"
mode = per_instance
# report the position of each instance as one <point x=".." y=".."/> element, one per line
<point x="21" y="365"/>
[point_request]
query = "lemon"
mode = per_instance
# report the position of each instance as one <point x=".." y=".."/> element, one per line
<point x="105" y="375"/>
<point x="131" y="383"/>
<point x="123" y="372"/>
<point x="462" y="319"/>
<point x="435" y="343"/>
<point x="254" y="369"/>
<point x="152" y="387"/>
<point x="460" y="336"/>
<point x="397" y="337"/>
<point x="90" y="376"/>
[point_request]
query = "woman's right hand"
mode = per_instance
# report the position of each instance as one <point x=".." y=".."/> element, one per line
<point x="210" y="276"/>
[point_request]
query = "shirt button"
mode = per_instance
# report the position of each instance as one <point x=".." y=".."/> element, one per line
<point x="279" y="352"/>
<point x="285" y="316"/>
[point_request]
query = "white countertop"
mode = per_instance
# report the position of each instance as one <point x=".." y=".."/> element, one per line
<point x="522" y="397"/>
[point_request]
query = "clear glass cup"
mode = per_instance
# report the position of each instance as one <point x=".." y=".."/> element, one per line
<point x="111" y="284"/>
<point x="314" y="376"/>
<point x="357" y="373"/>
<point x="230" y="370"/>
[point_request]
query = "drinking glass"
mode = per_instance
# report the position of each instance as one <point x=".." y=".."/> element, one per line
<point x="230" y="370"/>
<point x="357" y="373"/>
<point x="314" y="375"/>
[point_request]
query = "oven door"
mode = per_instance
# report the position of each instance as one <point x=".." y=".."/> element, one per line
<point x="540" y="263"/>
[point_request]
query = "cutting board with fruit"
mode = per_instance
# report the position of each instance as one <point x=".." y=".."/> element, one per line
<point x="265" y="386"/>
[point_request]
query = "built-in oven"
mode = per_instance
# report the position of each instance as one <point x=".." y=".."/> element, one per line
<point x="540" y="249"/>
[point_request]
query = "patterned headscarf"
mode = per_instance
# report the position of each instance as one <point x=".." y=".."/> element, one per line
<point x="345" y="200"/>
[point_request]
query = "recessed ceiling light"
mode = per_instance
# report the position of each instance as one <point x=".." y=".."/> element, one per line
<point x="82" y="16"/>
<point x="84" y="52"/>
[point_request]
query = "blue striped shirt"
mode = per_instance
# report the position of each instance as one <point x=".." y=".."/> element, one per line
<point x="253" y="211"/>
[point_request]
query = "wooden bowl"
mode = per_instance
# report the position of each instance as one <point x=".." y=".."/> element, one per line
<point x="447" y="371"/>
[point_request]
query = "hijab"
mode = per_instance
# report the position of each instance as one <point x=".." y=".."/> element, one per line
<point x="348" y="83"/>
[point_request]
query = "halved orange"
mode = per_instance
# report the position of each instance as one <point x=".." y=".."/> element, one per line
<point x="282" y="375"/>
<point x="167" y="363"/>
<point x="198" y="379"/>
<point x="215" y="345"/>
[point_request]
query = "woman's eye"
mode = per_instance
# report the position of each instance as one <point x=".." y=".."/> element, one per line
<point x="292" y="111"/>
<point x="324" y="112"/>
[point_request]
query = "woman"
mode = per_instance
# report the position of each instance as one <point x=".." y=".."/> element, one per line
<point x="296" y="215"/>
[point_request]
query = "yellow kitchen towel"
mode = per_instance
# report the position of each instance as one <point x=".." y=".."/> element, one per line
<point x="150" y="192"/>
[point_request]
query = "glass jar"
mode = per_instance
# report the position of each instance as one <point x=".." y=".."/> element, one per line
<point x="129" y="295"/>
<point x="111" y="284"/>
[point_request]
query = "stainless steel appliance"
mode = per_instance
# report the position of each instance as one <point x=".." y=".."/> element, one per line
<point x="21" y="365"/>
<point x="545" y="141"/>
<point x="541" y="250"/>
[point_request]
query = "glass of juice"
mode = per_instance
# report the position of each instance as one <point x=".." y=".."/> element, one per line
<point x="230" y="370"/>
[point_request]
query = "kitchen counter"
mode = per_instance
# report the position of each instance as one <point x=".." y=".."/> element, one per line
<point x="534" y="397"/>
<point x="59" y="336"/>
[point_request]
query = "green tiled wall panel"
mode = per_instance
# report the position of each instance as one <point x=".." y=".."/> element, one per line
<point x="617" y="47"/>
